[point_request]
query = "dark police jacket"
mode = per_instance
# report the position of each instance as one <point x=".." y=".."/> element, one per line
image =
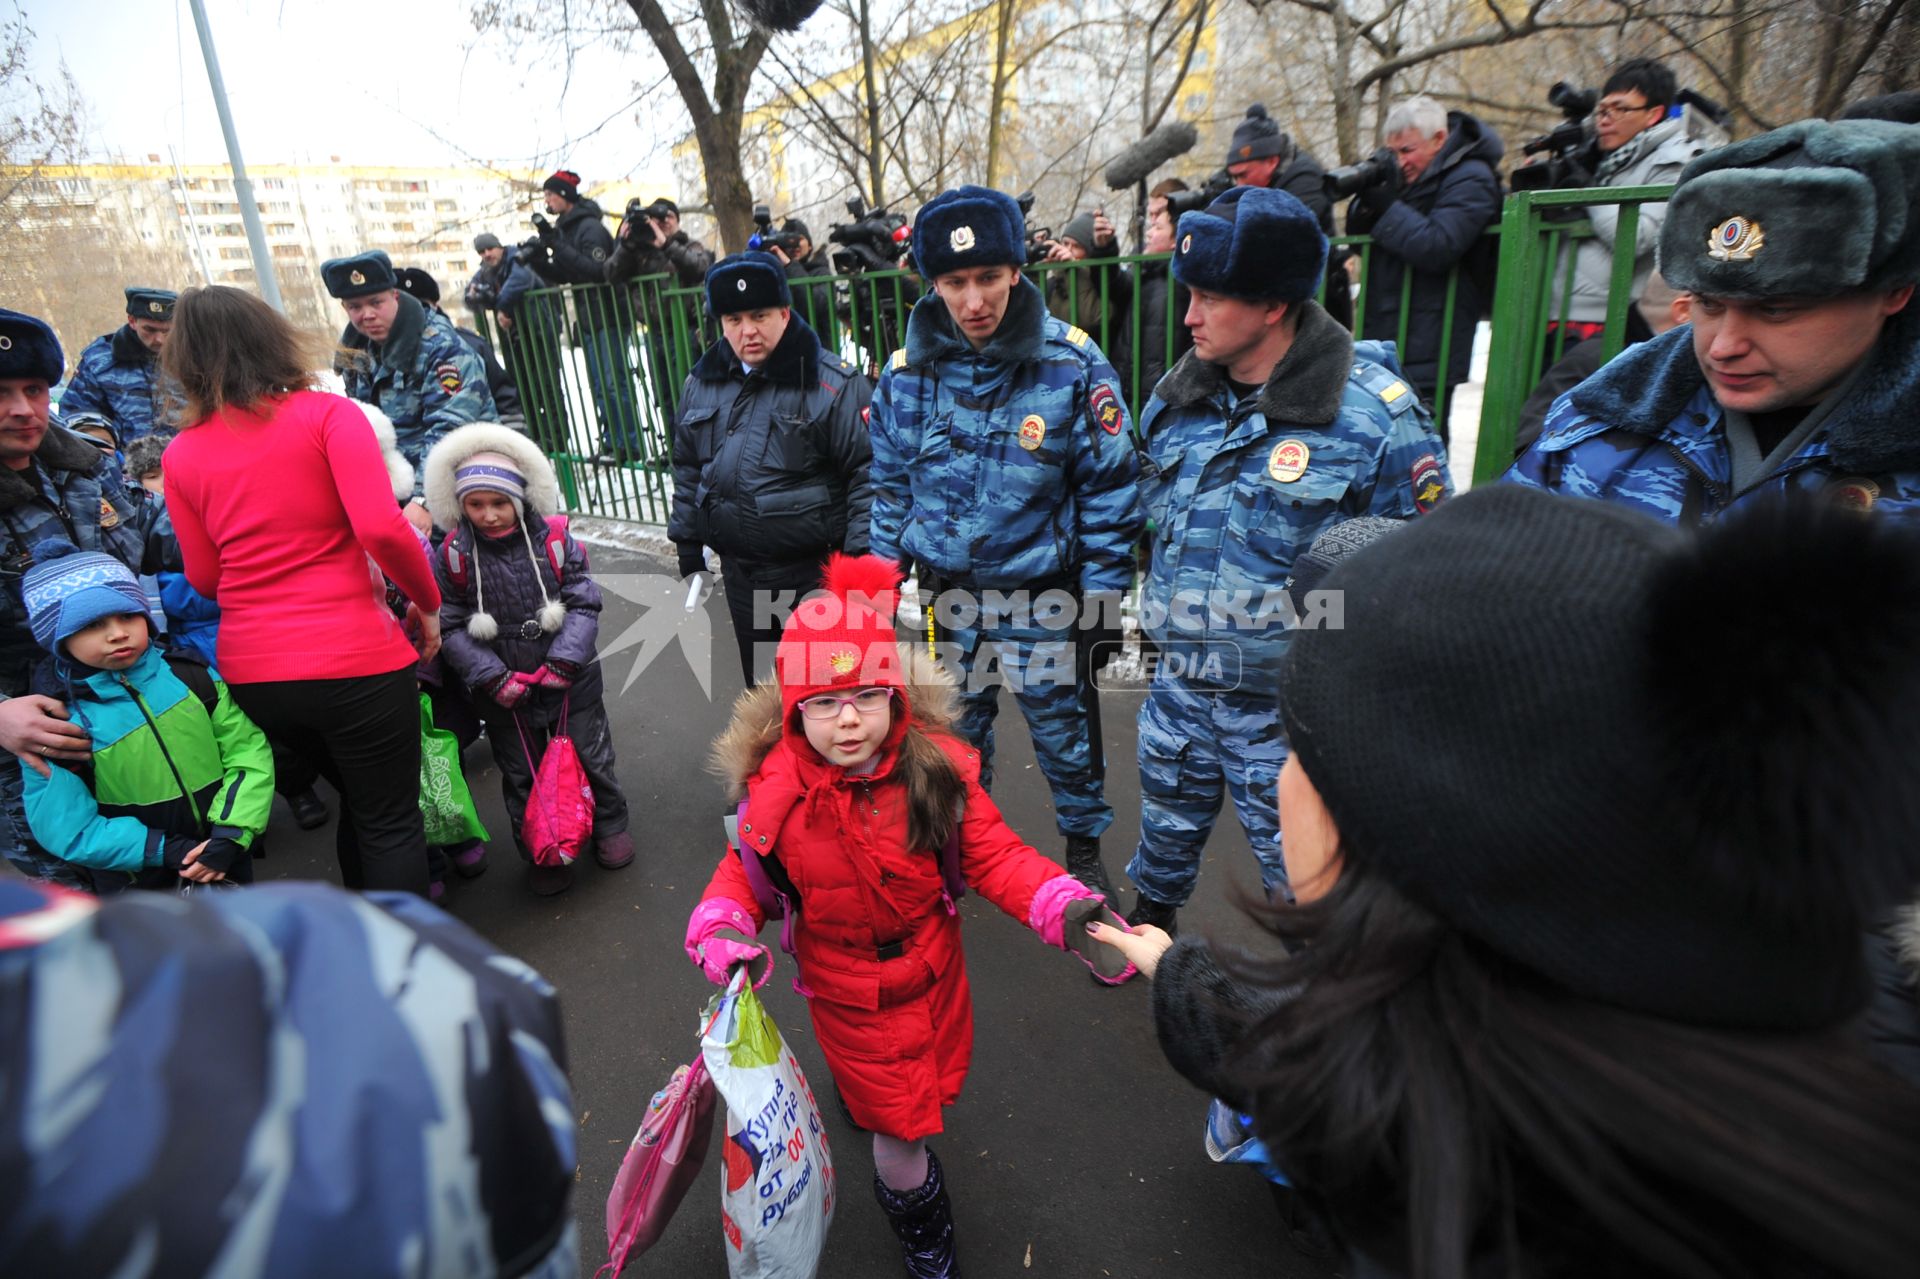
<point x="770" y="467"/>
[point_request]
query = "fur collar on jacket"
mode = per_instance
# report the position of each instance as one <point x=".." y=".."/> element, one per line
<point x="1020" y="339"/>
<point x="756" y="726"/>
<point x="461" y="443"/>
<point x="1305" y="388"/>
<point x="60" y="450"/>
<point x="794" y="361"/>
<point x="127" y="348"/>
<point x="1646" y="387"/>
<point x="399" y="470"/>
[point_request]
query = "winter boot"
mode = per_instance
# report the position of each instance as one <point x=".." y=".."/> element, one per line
<point x="309" y="810"/>
<point x="1083" y="863"/>
<point x="470" y="859"/>
<point x="613" y="851"/>
<point x="923" y="1219"/>
<point x="1159" y="914"/>
<point x="547" y="881"/>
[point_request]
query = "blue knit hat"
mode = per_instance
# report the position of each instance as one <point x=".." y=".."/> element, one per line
<point x="1253" y="243"/>
<point x="28" y="348"/>
<point x="967" y="227"/>
<point x="68" y="590"/>
<point x="747" y="282"/>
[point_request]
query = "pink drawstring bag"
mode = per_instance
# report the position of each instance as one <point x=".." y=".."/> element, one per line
<point x="560" y="806"/>
<point x="661" y="1164"/>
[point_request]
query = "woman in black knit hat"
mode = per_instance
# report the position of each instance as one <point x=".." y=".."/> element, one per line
<point x="1587" y="817"/>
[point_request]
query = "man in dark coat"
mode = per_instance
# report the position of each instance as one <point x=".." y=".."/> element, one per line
<point x="1159" y="313"/>
<point x="651" y="242"/>
<point x="1428" y="213"/>
<point x="1262" y="155"/>
<point x="770" y="454"/>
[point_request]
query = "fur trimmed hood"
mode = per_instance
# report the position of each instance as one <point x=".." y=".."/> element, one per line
<point x="399" y="470"/>
<point x="461" y="443"/>
<point x="756" y="727"/>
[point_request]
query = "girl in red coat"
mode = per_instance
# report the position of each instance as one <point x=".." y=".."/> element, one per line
<point x="853" y="783"/>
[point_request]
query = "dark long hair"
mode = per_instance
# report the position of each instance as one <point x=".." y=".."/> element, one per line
<point x="934" y="788"/>
<point x="1450" y="1107"/>
<point x="230" y="348"/>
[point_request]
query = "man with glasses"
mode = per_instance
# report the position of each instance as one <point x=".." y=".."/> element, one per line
<point x="1639" y="144"/>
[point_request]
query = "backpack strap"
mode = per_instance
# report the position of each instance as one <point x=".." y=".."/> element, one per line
<point x="195" y="674"/>
<point x="773" y="888"/>
<point x="557" y="547"/>
<point x="456" y="562"/>
<point x="953" y="882"/>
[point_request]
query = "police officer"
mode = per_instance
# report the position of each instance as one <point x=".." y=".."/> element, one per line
<point x="1275" y="425"/>
<point x="1800" y="370"/>
<point x="53" y="483"/>
<point x="1002" y="463"/>
<point x="405" y="359"/>
<point x="118" y="374"/>
<point x="770" y="454"/>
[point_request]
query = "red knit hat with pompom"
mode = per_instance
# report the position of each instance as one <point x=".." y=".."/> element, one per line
<point x="843" y="638"/>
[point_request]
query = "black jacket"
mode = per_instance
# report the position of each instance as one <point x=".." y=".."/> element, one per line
<point x="1303" y="178"/>
<point x="1163" y="310"/>
<point x="771" y="467"/>
<point x="506" y="396"/>
<point x="685" y="259"/>
<point x="578" y="250"/>
<point x="813" y="302"/>
<point x="1435" y="223"/>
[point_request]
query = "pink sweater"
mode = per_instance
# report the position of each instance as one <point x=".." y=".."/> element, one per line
<point x="276" y="518"/>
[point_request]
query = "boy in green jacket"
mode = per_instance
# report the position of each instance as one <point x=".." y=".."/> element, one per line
<point x="180" y="782"/>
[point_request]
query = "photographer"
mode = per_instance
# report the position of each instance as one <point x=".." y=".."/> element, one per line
<point x="1638" y="145"/>
<point x="1436" y="191"/>
<point x="1261" y="155"/>
<point x="792" y="244"/>
<point x="650" y="242"/>
<point x="1092" y="298"/>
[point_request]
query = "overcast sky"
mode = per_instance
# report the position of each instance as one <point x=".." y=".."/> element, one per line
<point x="372" y="81"/>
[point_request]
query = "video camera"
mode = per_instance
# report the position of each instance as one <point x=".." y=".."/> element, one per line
<point x="1218" y="183"/>
<point x="1355" y="178"/>
<point x="766" y="239"/>
<point x="1572" y="154"/>
<point x="874" y="241"/>
<point x="1039" y="239"/>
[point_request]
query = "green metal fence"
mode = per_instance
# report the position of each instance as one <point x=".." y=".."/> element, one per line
<point x="600" y="367"/>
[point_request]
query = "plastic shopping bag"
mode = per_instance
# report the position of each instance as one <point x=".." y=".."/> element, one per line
<point x="777" y="1197"/>
<point x="662" y="1163"/>
<point x="445" y="802"/>
<point x="1230" y="1140"/>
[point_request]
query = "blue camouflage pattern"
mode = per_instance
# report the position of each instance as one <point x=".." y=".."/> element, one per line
<point x="1646" y="432"/>
<point x="119" y="379"/>
<point x="425" y="379"/>
<point x="1235" y="493"/>
<point x="958" y="489"/>
<point x="285" y="1080"/>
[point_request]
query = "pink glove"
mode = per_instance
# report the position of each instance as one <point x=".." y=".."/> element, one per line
<point x="1059" y="913"/>
<point x="511" y="690"/>
<point x="547" y="677"/>
<point x="714" y="954"/>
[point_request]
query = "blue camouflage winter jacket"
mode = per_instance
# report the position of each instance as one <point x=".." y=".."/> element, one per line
<point x="1009" y="466"/>
<point x="72" y="491"/>
<point x="423" y="377"/>
<point x="1645" y="431"/>
<point x="1237" y="490"/>
<point x="118" y="378"/>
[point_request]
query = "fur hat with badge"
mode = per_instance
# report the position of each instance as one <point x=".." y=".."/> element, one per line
<point x="488" y="457"/>
<point x="751" y="281"/>
<point x="1605" y="750"/>
<point x="28" y="348"/>
<point x="1254" y="244"/>
<point x="967" y="227"/>
<point x="1813" y="210"/>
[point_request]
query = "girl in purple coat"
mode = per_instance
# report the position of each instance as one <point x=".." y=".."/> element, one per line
<point x="520" y="617"/>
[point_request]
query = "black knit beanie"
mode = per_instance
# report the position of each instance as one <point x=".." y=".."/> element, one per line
<point x="1652" y="766"/>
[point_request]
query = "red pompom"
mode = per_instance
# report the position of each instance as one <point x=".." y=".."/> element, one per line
<point x="867" y="576"/>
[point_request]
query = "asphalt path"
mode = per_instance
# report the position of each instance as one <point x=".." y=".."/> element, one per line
<point x="1074" y="1149"/>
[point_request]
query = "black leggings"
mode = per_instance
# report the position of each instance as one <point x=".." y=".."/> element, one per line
<point x="363" y="734"/>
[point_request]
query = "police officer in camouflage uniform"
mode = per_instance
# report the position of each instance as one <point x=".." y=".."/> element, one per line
<point x="1273" y="427"/>
<point x="1800" y="371"/>
<point x="53" y="483"/>
<point x="1002" y="463"/>
<point x="118" y="374"/>
<point x="406" y="360"/>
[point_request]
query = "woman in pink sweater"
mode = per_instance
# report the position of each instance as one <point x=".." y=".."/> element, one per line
<point x="279" y="496"/>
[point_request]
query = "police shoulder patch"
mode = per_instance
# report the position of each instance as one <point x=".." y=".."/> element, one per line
<point x="1077" y="336"/>
<point x="448" y="375"/>
<point x="899" y="360"/>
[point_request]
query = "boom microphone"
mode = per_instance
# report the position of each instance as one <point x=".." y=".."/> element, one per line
<point x="1174" y="138"/>
<point x="779" y="15"/>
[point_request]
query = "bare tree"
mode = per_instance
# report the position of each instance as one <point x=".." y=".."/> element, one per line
<point x="41" y="121"/>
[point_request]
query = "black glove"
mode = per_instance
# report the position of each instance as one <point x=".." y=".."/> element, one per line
<point x="221" y="854"/>
<point x="1100" y="632"/>
<point x="692" y="560"/>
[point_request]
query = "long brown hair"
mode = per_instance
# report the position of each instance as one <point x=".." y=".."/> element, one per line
<point x="229" y="348"/>
<point x="934" y="789"/>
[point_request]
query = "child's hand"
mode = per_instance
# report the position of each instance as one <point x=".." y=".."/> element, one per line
<point x="510" y="691"/>
<point x="548" y="677"/>
<point x="191" y="867"/>
<point x="1143" y="946"/>
<point x="717" y="957"/>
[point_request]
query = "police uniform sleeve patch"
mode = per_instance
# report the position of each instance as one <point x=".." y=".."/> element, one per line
<point x="1106" y="409"/>
<point x="449" y="377"/>
<point x="1429" y="484"/>
<point x="599" y="254"/>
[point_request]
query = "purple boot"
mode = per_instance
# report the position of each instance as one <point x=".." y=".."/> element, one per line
<point x="613" y="851"/>
<point x="923" y="1220"/>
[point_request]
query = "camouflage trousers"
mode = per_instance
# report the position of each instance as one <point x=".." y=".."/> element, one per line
<point x="1040" y="666"/>
<point x="1198" y="745"/>
<point x="17" y="842"/>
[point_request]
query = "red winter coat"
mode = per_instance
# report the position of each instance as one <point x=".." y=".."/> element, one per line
<point x="897" y="1032"/>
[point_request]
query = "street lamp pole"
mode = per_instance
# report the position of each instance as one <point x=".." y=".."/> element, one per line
<point x="242" y="187"/>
